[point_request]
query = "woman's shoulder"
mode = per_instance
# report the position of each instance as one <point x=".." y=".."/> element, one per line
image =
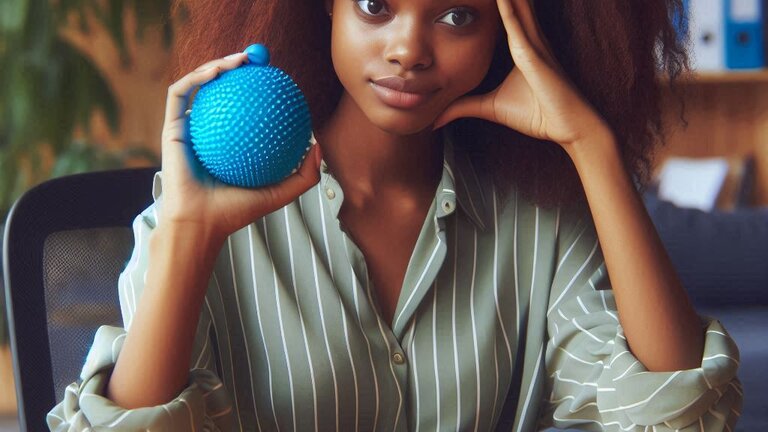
<point x="523" y="213"/>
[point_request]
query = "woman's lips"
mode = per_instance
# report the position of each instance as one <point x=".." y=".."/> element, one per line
<point x="399" y="99"/>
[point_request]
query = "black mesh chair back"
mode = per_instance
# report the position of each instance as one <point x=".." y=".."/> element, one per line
<point x="66" y="242"/>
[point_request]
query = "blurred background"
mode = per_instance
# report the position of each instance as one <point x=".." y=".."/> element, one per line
<point x="83" y="86"/>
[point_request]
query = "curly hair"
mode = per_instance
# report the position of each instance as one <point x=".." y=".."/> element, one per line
<point x="614" y="54"/>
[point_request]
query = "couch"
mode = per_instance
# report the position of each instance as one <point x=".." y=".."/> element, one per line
<point x="722" y="260"/>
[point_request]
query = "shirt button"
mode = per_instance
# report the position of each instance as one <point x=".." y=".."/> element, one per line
<point x="330" y="193"/>
<point x="398" y="358"/>
<point x="447" y="206"/>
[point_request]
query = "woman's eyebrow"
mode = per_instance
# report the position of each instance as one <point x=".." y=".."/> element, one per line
<point x="479" y="4"/>
<point x="445" y="3"/>
<point x="472" y="2"/>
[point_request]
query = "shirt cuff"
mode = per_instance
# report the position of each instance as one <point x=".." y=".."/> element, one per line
<point x="676" y="398"/>
<point x="204" y="404"/>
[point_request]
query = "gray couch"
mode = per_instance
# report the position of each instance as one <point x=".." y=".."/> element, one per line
<point x="722" y="259"/>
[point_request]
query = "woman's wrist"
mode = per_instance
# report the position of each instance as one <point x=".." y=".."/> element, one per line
<point x="197" y="242"/>
<point x="600" y="146"/>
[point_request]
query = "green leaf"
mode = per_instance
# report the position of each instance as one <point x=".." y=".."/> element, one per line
<point x="48" y="88"/>
<point x="12" y="14"/>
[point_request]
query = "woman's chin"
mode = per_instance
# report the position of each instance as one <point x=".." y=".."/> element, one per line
<point x="403" y="123"/>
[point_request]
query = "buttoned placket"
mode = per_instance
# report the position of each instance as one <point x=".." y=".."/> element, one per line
<point x="418" y="280"/>
<point x="334" y="196"/>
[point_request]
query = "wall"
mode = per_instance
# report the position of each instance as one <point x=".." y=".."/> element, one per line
<point x="728" y="116"/>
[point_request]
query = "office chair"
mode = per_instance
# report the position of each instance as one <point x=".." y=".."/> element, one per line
<point x="66" y="242"/>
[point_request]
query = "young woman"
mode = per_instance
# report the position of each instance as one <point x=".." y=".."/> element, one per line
<point x="437" y="265"/>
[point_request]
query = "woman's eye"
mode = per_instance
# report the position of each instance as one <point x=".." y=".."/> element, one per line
<point x="459" y="18"/>
<point x="455" y="18"/>
<point x="373" y="6"/>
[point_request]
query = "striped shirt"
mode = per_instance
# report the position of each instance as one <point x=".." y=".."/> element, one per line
<point x="505" y="321"/>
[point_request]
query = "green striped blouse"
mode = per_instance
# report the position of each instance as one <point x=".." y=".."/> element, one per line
<point x="505" y="321"/>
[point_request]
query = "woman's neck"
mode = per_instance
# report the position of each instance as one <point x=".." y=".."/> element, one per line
<point x="373" y="165"/>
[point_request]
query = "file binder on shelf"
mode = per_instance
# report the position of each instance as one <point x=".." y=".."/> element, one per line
<point x="744" y="43"/>
<point x="680" y="19"/>
<point x="707" y="30"/>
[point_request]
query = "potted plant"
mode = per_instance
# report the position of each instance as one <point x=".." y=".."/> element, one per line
<point x="50" y="91"/>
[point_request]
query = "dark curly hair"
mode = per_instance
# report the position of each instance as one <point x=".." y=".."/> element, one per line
<point x="614" y="53"/>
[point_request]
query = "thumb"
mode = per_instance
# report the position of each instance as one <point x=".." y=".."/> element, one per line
<point x="278" y="195"/>
<point x="299" y="182"/>
<point x="477" y="106"/>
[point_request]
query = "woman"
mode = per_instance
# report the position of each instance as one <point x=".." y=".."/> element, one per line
<point x="435" y="267"/>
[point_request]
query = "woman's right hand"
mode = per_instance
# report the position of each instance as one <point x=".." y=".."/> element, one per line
<point x="192" y="197"/>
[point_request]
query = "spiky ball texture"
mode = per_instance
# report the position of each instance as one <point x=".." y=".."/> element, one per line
<point x="251" y="126"/>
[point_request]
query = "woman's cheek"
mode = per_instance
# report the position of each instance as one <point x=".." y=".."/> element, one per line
<point x="468" y="76"/>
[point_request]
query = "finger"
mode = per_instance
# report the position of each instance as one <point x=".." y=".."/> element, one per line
<point x="178" y="157"/>
<point x="519" y="44"/>
<point x="186" y="155"/>
<point x="176" y="127"/>
<point x="540" y="75"/>
<point x="178" y="92"/>
<point x="525" y="13"/>
<point x="283" y="193"/>
<point x="525" y="56"/>
<point x="296" y="184"/>
<point x="216" y="61"/>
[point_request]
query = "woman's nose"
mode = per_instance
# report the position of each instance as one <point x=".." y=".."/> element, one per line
<point x="409" y="46"/>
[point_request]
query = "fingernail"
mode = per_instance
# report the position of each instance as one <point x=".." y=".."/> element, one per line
<point x="318" y="156"/>
<point x="232" y="56"/>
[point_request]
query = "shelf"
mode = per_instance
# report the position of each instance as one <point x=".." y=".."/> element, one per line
<point x="731" y="76"/>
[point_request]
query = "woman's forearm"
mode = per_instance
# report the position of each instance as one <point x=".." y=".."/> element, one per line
<point x="153" y="366"/>
<point x="662" y="328"/>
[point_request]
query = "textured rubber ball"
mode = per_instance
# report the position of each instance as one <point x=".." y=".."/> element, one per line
<point x="258" y="54"/>
<point x="250" y="126"/>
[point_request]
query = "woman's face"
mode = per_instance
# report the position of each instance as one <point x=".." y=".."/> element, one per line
<point x="442" y="48"/>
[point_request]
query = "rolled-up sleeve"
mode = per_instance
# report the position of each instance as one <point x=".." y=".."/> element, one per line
<point x="203" y="405"/>
<point x="596" y="383"/>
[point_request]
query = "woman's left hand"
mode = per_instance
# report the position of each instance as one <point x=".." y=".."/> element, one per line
<point x="536" y="98"/>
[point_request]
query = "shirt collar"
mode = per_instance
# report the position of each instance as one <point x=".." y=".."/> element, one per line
<point x="460" y="183"/>
<point x="465" y="180"/>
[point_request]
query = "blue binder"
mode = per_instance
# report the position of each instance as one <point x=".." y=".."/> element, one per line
<point x="681" y="21"/>
<point x="744" y="27"/>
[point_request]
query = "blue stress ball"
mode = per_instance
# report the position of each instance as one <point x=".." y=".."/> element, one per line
<point x="250" y="126"/>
